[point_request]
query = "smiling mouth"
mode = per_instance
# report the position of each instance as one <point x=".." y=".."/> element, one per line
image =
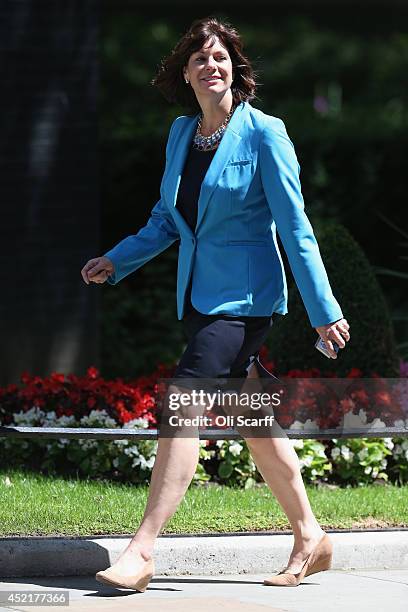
<point x="211" y="79"/>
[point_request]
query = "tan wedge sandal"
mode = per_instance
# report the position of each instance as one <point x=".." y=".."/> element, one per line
<point x="318" y="560"/>
<point x="138" y="582"/>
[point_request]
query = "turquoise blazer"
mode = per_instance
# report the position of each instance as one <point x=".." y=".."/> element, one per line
<point x="250" y="191"/>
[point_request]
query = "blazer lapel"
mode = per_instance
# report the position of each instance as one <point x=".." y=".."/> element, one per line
<point x="226" y="148"/>
<point x="180" y="150"/>
<point x="223" y="154"/>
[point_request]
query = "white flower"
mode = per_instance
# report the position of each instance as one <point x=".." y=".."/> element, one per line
<point x="121" y="442"/>
<point x="65" y="420"/>
<point x="367" y="469"/>
<point x="235" y="448"/>
<point x="297" y="443"/>
<point x="96" y="417"/>
<point x="297" y="425"/>
<point x="88" y="444"/>
<point x="219" y="443"/>
<point x="363" y="416"/>
<point x="115" y="462"/>
<point x="142" y="462"/>
<point x="29" y="418"/>
<point x="150" y="462"/>
<point x="406" y="454"/>
<point x="377" y="423"/>
<point x="131" y="450"/>
<point x="306" y="461"/>
<point x="137" y="424"/>
<point x="347" y="453"/>
<point x="363" y="453"/>
<point x="310" y="425"/>
<point x="389" y="443"/>
<point x="335" y="452"/>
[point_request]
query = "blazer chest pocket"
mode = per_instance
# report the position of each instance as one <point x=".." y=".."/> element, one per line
<point x="239" y="162"/>
<point x="237" y="177"/>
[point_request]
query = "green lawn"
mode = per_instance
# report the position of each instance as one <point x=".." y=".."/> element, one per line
<point x="39" y="505"/>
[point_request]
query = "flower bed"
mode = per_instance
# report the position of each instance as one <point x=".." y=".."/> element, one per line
<point x="91" y="401"/>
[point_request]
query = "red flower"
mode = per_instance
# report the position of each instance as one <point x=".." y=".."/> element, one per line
<point x="55" y="377"/>
<point x="383" y="398"/>
<point x="25" y="378"/>
<point x="354" y="373"/>
<point x="92" y="372"/>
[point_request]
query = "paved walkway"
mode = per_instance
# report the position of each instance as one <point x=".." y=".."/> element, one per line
<point x="351" y="591"/>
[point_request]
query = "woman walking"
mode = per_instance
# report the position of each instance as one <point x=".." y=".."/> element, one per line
<point x="231" y="181"/>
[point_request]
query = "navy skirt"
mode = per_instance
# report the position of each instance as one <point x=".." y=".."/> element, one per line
<point x="221" y="346"/>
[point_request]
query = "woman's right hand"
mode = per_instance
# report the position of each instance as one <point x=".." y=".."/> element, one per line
<point x="97" y="270"/>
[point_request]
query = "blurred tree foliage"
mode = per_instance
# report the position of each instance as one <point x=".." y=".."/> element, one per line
<point x="333" y="74"/>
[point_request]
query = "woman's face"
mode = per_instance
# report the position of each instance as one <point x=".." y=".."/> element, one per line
<point x="209" y="70"/>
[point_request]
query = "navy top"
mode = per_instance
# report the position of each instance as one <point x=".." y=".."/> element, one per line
<point x="195" y="169"/>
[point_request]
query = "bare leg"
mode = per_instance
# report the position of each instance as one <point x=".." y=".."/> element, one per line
<point x="278" y="464"/>
<point x="174" y="467"/>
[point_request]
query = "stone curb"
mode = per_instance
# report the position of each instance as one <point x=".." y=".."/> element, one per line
<point x="197" y="555"/>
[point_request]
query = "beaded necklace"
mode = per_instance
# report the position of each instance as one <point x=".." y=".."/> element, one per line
<point x="206" y="143"/>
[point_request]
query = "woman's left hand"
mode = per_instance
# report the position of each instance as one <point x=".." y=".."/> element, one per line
<point x="337" y="332"/>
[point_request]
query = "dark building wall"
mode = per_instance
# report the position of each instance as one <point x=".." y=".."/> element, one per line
<point x="49" y="225"/>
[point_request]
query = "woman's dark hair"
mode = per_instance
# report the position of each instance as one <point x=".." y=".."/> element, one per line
<point x="170" y="81"/>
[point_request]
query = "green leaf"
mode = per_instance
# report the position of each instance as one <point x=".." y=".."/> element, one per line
<point x="225" y="469"/>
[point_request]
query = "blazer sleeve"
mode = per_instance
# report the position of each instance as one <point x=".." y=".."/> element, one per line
<point x="280" y="173"/>
<point x="156" y="236"/>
